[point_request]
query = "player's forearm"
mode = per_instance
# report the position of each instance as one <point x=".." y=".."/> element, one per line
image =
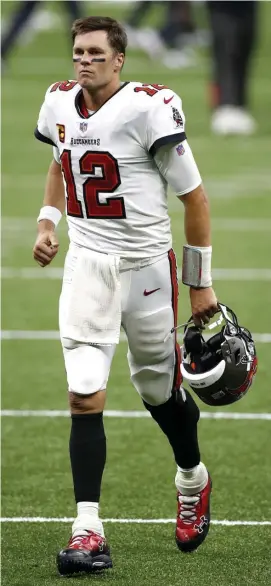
<point x="197" y="217"/>
<point x="54" y="188"/>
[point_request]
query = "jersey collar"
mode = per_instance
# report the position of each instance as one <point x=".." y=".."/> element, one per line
<point x="81" y="106"/>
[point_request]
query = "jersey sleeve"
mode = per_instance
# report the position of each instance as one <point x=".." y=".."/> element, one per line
<point x="165" y="122"/>
<point x="42" y="131"/>
<point x="178" y="167"/>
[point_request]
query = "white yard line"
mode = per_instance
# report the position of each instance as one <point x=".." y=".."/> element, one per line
<point x="241" y="274"/>
<point x="17" y="233"/>
<point x="30" y="335"/>
<point x="134" y="414"/>
<point x="223" y="522"/>
<point x="263" y="338"/>
<point x="31" y="273"/>
<point x="236" y="274"/>
<point x="13" y="224"/>
<point x="242" y="184"/>
<point x="241" y="225"/>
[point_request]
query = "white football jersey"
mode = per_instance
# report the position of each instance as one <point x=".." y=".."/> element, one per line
<point x="116" y="196"/>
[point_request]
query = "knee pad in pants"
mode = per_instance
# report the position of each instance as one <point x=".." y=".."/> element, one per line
<point x="151" y="360"/>
<point x="87" y="366"/>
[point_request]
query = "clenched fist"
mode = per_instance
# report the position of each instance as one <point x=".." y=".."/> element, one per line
<point x="46" y="245"/>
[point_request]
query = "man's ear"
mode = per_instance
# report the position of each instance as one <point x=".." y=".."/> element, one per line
<point x="119" y="61"/>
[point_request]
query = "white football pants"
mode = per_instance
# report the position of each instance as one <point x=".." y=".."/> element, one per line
<point x="148" y="312"/>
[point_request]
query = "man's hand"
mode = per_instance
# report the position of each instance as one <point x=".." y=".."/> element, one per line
<point x="203" y="305"/>
<point x="46" y="245"/>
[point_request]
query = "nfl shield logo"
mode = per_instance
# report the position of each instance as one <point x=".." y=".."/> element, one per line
<point x="180" y="150"/>
<point x="83" y="126"/>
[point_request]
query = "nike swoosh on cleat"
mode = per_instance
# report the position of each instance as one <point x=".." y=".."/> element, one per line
<point x="150" y="292"/>
<point x="169" y="100"/>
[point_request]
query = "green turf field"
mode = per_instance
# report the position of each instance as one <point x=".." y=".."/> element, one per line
<point x="139" y="478"/>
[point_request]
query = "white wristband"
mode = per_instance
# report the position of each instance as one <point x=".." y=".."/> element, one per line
<point x="50" y="213"/>
<point x="197" y="266"/>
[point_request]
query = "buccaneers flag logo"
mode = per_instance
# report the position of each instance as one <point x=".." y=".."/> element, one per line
<point x="61" y="132"/>
<point x="177" y="117"/>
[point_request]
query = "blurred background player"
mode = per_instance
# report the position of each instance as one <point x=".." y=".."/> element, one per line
<point x="233" y="31"/>
<point x="170" y="41"/>
<point x="22" y="18"/>
<point x="233" y="26"/>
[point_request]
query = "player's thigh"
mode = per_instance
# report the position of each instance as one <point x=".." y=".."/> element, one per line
<point x="87" y="365"/>
<point x="151" y="311"/>
<point x="152" y="352"/>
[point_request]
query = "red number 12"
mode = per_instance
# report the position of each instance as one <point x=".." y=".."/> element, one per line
<point x="108" y="182"/>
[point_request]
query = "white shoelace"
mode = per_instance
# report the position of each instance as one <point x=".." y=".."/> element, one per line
<point x="76" y="539"/>
<point x="188" y="512"/>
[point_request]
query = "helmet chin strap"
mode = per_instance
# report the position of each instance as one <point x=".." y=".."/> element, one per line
<point x="216" y="323"/>
<point x="187" y="323"/>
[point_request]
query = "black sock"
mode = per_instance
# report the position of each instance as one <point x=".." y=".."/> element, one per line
<point x="88" y="455"/>
<point x="178" y="420"/>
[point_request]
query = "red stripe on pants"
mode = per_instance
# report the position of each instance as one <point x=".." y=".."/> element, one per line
<point x="174" y="301"/>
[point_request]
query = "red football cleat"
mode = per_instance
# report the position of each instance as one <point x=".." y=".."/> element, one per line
<point x="193" y="518"/>
<point x="85" y="553"/>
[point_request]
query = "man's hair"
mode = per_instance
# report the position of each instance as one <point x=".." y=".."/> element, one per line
<point x="116" y="34"/>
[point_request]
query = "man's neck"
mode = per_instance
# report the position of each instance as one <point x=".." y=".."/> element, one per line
<point x="94" y="100"/>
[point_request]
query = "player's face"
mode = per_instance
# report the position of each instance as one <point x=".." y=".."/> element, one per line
<point x="94" y="45"/>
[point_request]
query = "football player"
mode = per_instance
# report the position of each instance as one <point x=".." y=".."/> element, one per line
<point x="117" y="145"/>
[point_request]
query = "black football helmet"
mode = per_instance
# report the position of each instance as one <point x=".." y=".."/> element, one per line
<point x="219" y="370"/>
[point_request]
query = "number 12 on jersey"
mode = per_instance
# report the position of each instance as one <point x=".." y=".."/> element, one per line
<point x="107" y="182"/>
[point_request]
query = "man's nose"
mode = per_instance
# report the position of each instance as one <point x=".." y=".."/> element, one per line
<point x="86" y="57"/>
